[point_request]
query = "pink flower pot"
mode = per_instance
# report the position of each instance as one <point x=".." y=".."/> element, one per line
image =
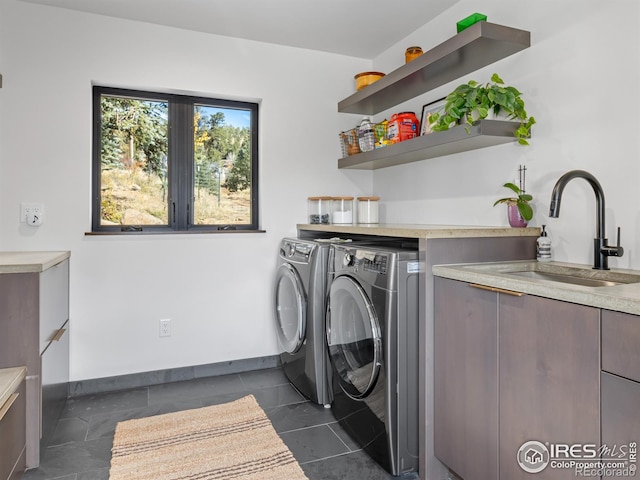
<point x="515" y="219"/>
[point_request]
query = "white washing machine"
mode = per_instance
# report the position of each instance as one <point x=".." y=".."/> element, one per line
<point x="300" y="301"/>
<point x="372" y="337"/>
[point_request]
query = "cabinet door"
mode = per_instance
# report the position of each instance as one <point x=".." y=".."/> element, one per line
<point x="620" y="419"/>
<point x="549" y="378"/>
<point x="55" y="381"/>
<point x="621" y="344"/>
<point x="466" y="388"/>
<point x="54" y="301"/>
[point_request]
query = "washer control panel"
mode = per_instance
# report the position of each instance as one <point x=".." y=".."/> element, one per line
<point x="365" y="260"/>
<point x="376" y="265"/>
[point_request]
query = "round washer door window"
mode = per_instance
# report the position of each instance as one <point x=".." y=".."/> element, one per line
<point x="353" y="337"/>
<point x="291" y="308"/>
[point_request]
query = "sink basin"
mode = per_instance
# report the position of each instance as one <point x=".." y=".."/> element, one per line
<point x="567" y="274"/>
<point x="556" y="277"/>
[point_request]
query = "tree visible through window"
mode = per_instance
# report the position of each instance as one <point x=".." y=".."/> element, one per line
<point x="170" y="162"/>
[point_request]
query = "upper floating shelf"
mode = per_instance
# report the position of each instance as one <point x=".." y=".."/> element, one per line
<point x="475" y="47"/>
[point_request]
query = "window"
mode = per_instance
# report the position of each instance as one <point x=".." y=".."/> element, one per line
<point x="165" y="163"/>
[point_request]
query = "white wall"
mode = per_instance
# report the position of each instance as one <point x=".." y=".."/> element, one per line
<point x="579" y="80"/>
<point x="582" y="69"/>
<point x="215" y="288"/>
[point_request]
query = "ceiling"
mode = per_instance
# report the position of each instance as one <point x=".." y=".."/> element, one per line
<point x="359" y="28"/>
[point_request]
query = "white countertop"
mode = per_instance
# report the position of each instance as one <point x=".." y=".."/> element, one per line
<point x="10" y="378"/>
<point x="424" y="230"/>
<point x="26" y="262"/>
<point x="619" y="298"/>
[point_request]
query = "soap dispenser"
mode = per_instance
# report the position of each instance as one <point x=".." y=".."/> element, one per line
<point x="544" y="246"/>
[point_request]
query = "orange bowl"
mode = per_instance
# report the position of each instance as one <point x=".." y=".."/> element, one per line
<point x="367" y="78"/>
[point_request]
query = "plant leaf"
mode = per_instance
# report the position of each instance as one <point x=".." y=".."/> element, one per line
<point x="525" y="210"/>
<point x="513" y="187"/>
<point x="504" y="200"/>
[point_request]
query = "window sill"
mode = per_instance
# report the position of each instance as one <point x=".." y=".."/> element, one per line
<point x="170" y="232"/>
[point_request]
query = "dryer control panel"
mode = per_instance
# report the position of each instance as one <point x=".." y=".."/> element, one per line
<point x="297" y="251"/>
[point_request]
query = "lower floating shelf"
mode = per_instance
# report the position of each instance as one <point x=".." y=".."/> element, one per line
<point x="484" y="133"/>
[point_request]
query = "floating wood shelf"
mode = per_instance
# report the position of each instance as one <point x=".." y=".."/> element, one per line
<point x="484" y="133"/>
<point x="478" y="46"/>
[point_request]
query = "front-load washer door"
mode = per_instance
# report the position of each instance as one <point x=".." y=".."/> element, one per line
<point x="291" y="308"/>
<point x="353" y="337"/>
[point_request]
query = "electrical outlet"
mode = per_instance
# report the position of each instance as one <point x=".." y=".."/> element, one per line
<point x="32" y="213"/>
<point x="165" y="327"/>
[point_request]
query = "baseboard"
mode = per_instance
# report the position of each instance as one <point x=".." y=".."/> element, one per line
<point x="158" y="377"/>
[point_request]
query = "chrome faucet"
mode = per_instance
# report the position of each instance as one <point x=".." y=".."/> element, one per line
<point x="601" y="251"/>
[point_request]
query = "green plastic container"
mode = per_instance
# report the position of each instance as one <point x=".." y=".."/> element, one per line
<point x="470" y="20"/>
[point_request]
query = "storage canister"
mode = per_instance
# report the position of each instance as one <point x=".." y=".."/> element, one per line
<point x="342" y="210"/>
<point x="365" y="79"/>
<point x="368" y="209"/>
<point x="319" y="209"/>
<point x="403" y="126"/>
<point x="412" y="53"/>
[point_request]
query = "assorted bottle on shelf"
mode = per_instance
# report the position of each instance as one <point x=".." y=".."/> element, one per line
<point x="340" y="210"/>
<point x="368" y="135"/>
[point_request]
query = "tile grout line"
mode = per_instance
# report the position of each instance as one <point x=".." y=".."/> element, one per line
<point x="340" y="438"/>
<point x="328" y="458"/>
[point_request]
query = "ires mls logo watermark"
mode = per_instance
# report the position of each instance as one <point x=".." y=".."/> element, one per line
<point x="533" y="456"/>
<point x="586" y="460"/>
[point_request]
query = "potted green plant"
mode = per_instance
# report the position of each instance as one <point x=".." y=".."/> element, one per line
<point x="473" y="101"/>
<point x="519" y="210"/>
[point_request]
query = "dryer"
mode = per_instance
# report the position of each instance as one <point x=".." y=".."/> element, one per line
<point x="300" y="300"/>
<point x="372" y="338"/>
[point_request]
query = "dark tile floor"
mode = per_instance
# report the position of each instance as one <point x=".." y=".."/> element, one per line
<point x="81" y="445"/>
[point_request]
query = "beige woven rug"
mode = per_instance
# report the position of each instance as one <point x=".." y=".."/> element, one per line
<point x="231" y="441"/>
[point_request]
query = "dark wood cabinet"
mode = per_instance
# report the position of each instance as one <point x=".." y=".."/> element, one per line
<point x="12" y="430"/>
<point x="620" y="418"/>
<point x="621" y="344"/>
<point x="34" y="314"/>
<point x="466" y="379"/>
<point x="511" y="368"/>
<point x="549" y="378"/>
<point x="620" y="384"/>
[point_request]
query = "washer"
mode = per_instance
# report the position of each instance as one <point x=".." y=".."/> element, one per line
<point x="372" y="338"/>
<point x="300" y="302"/>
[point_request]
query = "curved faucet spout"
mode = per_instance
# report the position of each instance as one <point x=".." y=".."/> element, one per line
<point x="601" y="250"/>
<point x="556" y="196"/>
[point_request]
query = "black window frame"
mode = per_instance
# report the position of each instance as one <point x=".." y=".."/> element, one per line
<point x="180" y="162"/>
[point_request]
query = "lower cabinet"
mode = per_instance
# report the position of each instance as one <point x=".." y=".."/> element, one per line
<point x="55" y="381"/>
<point x="549" y="379"/>
<point x="620" y="420"/>
<point x="12" y="435"/>
<point x="34" y="314"/>
<point x="466" y="379"/>
<point x="620" y="383"/>
<point x="510" y="369"/>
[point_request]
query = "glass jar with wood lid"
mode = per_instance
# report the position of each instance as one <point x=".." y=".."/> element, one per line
<point x="368" y="211"/>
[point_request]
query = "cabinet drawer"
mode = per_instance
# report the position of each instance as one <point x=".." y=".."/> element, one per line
<point x="621" y="344"/>
<point x="54" y="301"/>
<point x="620" y="400"/>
